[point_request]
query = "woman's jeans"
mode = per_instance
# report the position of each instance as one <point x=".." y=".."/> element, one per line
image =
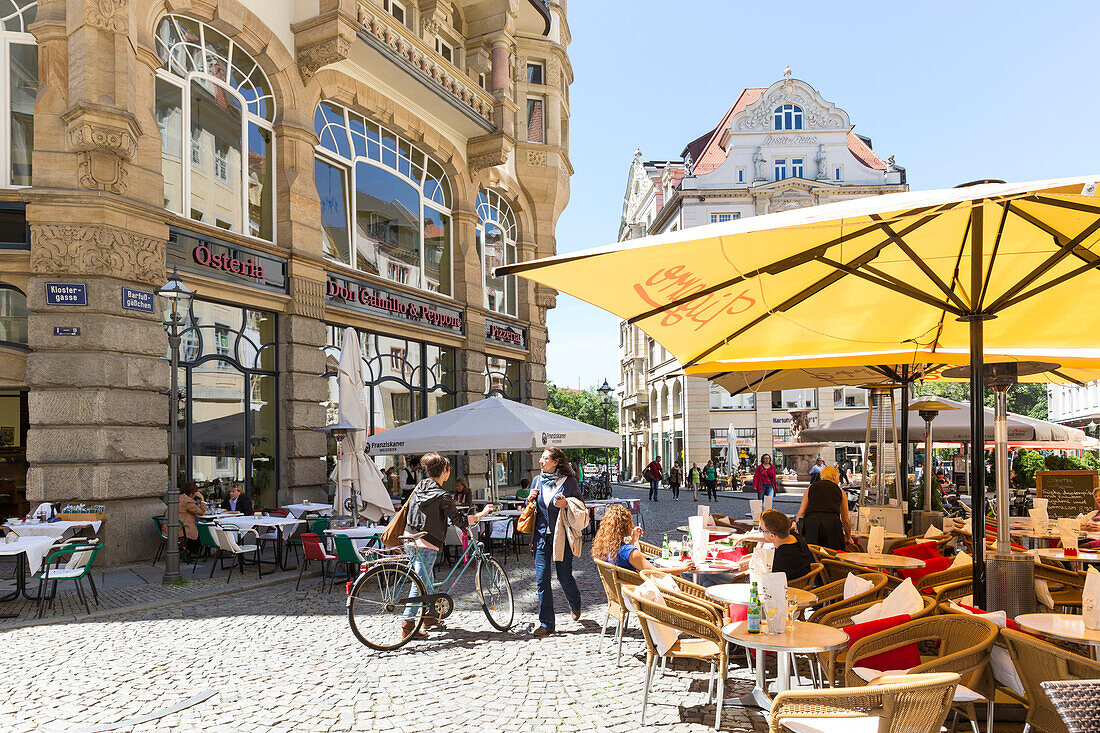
<point x="767" y="491"/>
<point x="423" y="565"/>
<point x="544" y="558"/>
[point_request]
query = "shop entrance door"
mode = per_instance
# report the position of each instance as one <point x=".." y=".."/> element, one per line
<point x="13" y="454"/>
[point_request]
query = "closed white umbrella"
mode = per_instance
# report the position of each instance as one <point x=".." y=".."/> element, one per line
<point x="358" y="476"/>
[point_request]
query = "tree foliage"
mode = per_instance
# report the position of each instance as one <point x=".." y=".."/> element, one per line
<point x="1029" y="400"/>
<point x="585" y="406"/>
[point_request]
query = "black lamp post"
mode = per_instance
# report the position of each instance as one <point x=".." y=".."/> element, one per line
<point x="175" y="301"/>
<point x="605" y="391"/>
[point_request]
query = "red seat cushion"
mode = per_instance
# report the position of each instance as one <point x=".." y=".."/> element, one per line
<point x="919" y="551"/>
<point x="733" y="555"/>
<point x="904" y="657"/>
<point x="931" y="565"/>
<point x="738" y="612"/>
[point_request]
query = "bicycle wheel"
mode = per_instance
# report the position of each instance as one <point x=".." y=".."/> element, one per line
<point x="496" y="593"/>
<point x="376" y="606"/>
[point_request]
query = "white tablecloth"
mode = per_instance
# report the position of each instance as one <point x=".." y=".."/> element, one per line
<point x="49" y="529"/>
<point x="283" y="524"/>
<point x="35" y="548"/>
<point x="298" y="510"/>
<point x="360" y="536"/>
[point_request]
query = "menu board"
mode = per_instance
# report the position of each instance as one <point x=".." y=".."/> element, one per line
<point x="1068" y="493"/>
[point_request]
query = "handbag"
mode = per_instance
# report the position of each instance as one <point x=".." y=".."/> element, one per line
<point x="391" y="537"/>
<point x="526" y="522"/>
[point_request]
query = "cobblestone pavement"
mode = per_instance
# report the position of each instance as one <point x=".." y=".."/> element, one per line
<point x="279" y="660"/>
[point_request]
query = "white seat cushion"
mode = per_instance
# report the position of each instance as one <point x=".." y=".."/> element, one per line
<point x="854" y="585"/>
<point x="965" y="694"/>
<point x="867" y="674"/>
<point x="860" y="724"/>
<point x="247" y="548"/>
<point x="59" y="573"/>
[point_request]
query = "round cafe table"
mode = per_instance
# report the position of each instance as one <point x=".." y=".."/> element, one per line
<point x="885" y="562"/>
<point x="709" y="567"/>
<point x="1059" y="554"/>
<point x="800" y="637"/>
<point x="1063" y="627"/>
<point x="712" y="529"/>
<point x="739" y="593"/>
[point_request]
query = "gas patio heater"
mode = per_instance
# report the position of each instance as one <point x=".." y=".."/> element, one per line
<point x="882" y="433"/>
<point x="1005" y="571"/>
<point x="928" y="408"/>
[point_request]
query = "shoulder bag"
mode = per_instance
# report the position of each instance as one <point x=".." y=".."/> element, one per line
<point x="526" y="522"/>
<point x="391" y="537"/>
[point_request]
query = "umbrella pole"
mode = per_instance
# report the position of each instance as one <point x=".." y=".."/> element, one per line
<point x="977" y="463"/>
<point x="903" y="476"/>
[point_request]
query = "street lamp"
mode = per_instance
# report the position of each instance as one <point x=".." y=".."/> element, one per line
<point x="175" y="303"/>
<point x="605" y="391"/>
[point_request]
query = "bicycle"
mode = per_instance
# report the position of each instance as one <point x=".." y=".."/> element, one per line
<point x="388" y="586"/>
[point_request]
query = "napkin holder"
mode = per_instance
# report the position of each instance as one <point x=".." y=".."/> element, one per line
<point x="699" y="538"/>
<point x="1090" y="600"/>
<point x="876" y="540"/>
<point x="774" y="600"/>
<point x="757" y="508"/>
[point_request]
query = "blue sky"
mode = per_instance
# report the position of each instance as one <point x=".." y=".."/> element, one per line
<point x="957" y="91"/>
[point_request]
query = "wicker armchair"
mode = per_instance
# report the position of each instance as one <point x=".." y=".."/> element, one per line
<point x="910" y="703"/>
<point x="649" y="550"/>
<point x="842" y="618"/>
<point x="838" y="570"/>
<point x="944" y="577"/>
<point x="963" y="645"/>
<point x="953" y="592"/>
<point x="614" y="578"/>
<point x="831" y="598"/>
<point x="1065" y="585"/>
<point x="806" y="582"/>
<point x="1038" y="661"/>
<point x="692" y="593"/>
<point x="941" y="542"/>
<point x="700" y="639"/>
<point x="820" y="552"/>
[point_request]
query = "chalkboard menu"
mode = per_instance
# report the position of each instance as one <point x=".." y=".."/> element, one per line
<point x="1068" y="493"/>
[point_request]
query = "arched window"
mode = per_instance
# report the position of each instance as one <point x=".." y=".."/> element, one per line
<point x="13" y="315"/>
<point x="788" y="117"/>
<point x="677" y="398"/>
<point x="385" y="205"/>
<point x="221" y="172"/>
<point x="19" y="69"/>
<point x="496" y="245"/>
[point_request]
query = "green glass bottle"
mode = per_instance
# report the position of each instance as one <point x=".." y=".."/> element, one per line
<point x="753" y="620"/>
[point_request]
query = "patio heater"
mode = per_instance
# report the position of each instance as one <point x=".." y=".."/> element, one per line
<point x="928" y="408"/>
<point x="1005" y="571"/>
<point x="339" y="431"/>
<point x="882" y="433"/>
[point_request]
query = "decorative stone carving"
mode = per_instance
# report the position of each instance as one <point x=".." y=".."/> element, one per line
<point x="313" y="58"/>
<point x="108" y="15"/>
<point x="537" y="352"/>
<point x="88" y="136"/>
<point x="519" y="68"/>
<point x="816" y="112"/>
<point x="536" y="158"/>
<point x="553" y="72"/>
<point x="430" y="26"/>
<point x="307" y="298"/>
<point x="822" y="164"/>
<point x="487" y="160"/>
<point x="101" y="172"/>
<point x="103" y="143"/>
<point x="74" y="249"/>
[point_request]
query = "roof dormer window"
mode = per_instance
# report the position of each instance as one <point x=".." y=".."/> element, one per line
<point x="788" y="117"/>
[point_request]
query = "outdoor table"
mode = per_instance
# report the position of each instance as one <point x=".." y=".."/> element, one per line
<point x="707" y="567"/>
<point x="360" y="536"/>
<point x="308" y="507"/>
<point x="29" y="552"/>
<point x="738" y="593"/>
<point x="50" y="529"/>
<point x="512" y="501"/>
<point x="1063" y="627"/>
<point x="800" y="637"/>
<point x="884" y="562"/>
<point x="1059" y="553"/>
<point x="279" y="524"/>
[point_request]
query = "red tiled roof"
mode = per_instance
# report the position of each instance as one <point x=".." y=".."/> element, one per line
<point x="863" y="153"/>
<point x="711" y="155"/>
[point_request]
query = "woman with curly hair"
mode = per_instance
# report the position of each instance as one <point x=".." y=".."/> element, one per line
<point x="617" y="539"/>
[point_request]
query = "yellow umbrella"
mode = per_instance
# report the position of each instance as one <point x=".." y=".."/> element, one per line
<point x="987" y="266"/>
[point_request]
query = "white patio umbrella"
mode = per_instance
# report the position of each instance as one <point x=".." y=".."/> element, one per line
<point x="358" y="476"/>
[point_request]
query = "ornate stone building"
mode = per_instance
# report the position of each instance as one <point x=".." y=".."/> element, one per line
<point x="777" y="148"/>
<point x="306" y="167"/>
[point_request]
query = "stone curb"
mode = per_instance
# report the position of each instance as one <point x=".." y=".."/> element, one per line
<point x="156" y="604"/>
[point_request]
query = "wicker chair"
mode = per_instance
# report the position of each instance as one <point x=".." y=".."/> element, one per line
<point x="1065" y="585"/>
<point x="649" y="550"/>
<point x="941" y="542"/>
<point x="842" y="618"/>
<point x="704" y="643"/>
<point x="693" y="593"/>
<point x="953" y="592"/>
<point x="830" y="597"/>
<point x="614" y="578"/>
<point x="963" y="648"/>
<point x="838" y="570"/>
<point x="1038" y="661"/>
<point x="944" y="577"/>
<point x="910" y="703"/>
<point x="1078" y="702"/>
<point x="820" y="552"/>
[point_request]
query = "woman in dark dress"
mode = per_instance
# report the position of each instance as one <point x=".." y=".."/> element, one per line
<point x="823" y="515"/>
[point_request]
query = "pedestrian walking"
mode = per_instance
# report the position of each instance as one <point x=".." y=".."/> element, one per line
<point x="815" y="470"/>
<point x="710" y="480"/>
<point x="845" y="481"/>
<point x="675" y="478"/>
<point x="695" y="477"/>
<point x="653" y="473"/>
<point x="764" y="480"/>
<point x="559" y="508"/>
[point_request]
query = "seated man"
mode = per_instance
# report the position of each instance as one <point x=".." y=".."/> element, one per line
<point x="238" y="501"/>
<point x="792" y="554"/>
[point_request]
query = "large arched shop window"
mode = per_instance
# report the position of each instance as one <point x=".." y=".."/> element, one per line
<point x="385" y="205"/>
<point x="220" y="173"/>
<point x="496" y="245"/>
<point x="19" y="69"/>
<point x="13" y="315"/>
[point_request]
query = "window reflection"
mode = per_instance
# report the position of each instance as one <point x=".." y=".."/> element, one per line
<point x="13" y="315"/>
<point x="24" y="91"/>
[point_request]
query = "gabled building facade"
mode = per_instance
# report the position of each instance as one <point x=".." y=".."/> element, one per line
<point x="776" y="148"/>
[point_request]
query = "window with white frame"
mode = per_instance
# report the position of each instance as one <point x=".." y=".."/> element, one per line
<point x="796" y="168"/>
<point x="740" y="175"/>
<point x="444" y="49"/>
<point x="19" y="66"/>
<point x="788" y="117"/>
<point x="496" y="245"/>
<point x="780" y="168"/>
<point x="483" y="81"/>
<point x="724" y="216"/>
<point x="396" y="9"/>
<point x="536" y="127"/>
<point x="211" y="88"/>
<point x="385" y="204"/>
